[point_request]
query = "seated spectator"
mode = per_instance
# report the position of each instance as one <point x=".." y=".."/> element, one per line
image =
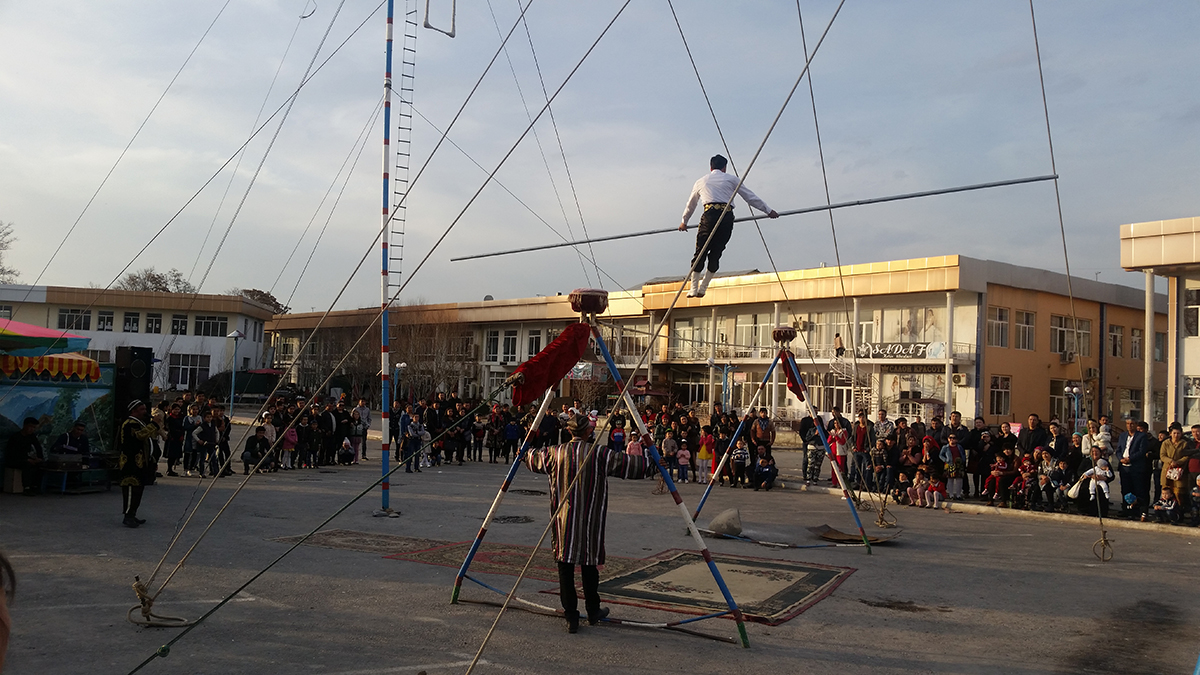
<point x="1166" y="509"/>
<point x="900" y="489"/>
<point x="257" y="447"/>
<point x="916" y="491"/>
<point x="1061" y="479"/>
<point x="1100" y="475"/>
<point x="935" y="493"/>
<point x="74" y="442"/>
<point x="764" y="471"/>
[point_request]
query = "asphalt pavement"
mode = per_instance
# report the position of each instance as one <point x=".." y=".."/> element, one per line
<point x="956" y="592"/>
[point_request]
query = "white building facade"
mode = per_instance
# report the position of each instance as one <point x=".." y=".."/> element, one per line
<point x="186" y="331"/>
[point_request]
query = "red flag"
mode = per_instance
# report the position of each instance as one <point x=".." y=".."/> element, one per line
<point x="552" y="363"/>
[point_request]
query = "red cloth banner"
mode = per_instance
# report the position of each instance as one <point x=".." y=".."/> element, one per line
<point x="552" y="363"/>
<point x="785" y="361"/>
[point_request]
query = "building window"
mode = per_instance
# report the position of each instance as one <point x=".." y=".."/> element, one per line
<point x="1085" y="336"/>
<point x="1026" y="334"/>
<point x="246" y="363"/>
<point x="1160" y="347"/>
<point x="997" y="327"/>
<point x="212" y="326"/>
<point x="535" y="343"/>
<point x="188" y="370"/>
<point x="1135" y="343"/>
<point x="510" y="346"/>
<point x="1116" y="341"/>
<point x="1000" y="396"/>
<point x="5" y="311"/>
<point x="98" y="355"/>
<point x="179" y="324"/>
<point x="491" y="346"/>
<point x="104" y="320"/>
<point x="1191" y="400"/>
<point x="1132" y="403"/>
<point x="74" y="319"/>
<point x="1160" y="406"/>
<point x="1061" y="406"/>
<point x="1191" y="312"/>
<point x="154" y="323"/>
<point x="132" y="319"/>
<point x="1062" y="336"/>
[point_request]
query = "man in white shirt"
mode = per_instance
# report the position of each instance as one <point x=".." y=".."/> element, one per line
<point x="715" y="191"/>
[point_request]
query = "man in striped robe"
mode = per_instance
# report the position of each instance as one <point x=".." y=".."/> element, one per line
<point x="579" y="527"/>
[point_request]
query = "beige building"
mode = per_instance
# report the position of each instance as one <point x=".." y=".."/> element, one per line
<point x="1171" y="249"/>
<point x="922" y="336"/>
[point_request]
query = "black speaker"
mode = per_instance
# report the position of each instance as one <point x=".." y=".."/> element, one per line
<point x="131" y="380"/>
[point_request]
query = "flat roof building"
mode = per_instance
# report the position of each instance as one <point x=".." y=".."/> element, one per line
<point x="186" y="331"/>
<point x="923" y="336"/>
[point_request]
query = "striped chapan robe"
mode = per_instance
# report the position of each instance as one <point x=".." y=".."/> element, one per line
<point x="579" y="528"/>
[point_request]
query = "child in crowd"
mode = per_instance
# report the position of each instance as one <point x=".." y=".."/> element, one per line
<point x="633" y="446"/>
<point x="738" y="459"/>
<point x="1166" y="509"/>
<point x="616" y="437"/>
<point x="683" y="458"/>
<point x="935" y="493"/>
<point x="346" y="454"/>
<point x="512" y="439"/>
<point x="991" y="486"/>
<point x="478" y="433"/>
<point x="669" y="448"/>
<point x="916" y="491"/>
<point x="704" y="456"/>
<point x="900" y="492"/>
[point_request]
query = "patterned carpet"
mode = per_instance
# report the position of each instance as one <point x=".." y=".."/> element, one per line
<point x="497" y="558"/>
<point x="366" y="542"/>
<point x="767" y="591"/>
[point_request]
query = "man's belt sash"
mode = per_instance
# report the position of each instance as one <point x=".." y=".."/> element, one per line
<point x="717" y="205"/>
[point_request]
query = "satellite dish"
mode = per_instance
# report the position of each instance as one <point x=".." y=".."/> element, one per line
<point x="487" y="297"/>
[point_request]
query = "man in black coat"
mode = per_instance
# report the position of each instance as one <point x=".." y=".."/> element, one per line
<point x="1131" y="463"/>
<point x="1032" y="436"/>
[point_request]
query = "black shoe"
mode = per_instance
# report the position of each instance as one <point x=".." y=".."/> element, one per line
<point x="599" y="616"/>
<point x="140" y="521"/>
<point x="572" y="622"/>
<point x="407" y="470"/>
<point x="130" y="522"/>
<point x="172" y="473"/>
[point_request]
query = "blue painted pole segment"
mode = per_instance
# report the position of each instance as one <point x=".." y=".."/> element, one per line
<point x="385" y="386"/>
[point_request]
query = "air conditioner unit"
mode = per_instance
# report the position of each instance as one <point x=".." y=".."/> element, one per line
<point x="1092" y="373"/>
<point x="801" y="325"/>
<point x="959" y="379"/>
<point x="1066" y="357"/>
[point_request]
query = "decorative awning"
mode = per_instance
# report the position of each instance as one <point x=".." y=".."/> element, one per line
<point x="23" y="339"/>
<point x="59" y="365"/>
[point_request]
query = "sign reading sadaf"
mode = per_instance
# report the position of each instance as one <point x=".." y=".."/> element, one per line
<point x="902" y="350"/>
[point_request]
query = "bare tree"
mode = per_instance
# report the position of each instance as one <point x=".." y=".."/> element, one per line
<point x="437" y="348"/>
<point x="8" y="275"/>
<point x="147" y="279"/>
<point x="265" y="298"/>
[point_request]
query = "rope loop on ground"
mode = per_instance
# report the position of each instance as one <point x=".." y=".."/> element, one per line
<point x="146" y="608"/>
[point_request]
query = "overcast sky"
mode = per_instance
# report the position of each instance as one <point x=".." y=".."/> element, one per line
<point x="910" y="96"/>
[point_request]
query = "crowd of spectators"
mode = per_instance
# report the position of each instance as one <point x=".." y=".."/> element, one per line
<point x="1044" y="467"/>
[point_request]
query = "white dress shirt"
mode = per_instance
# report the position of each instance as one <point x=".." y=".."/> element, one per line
<point x="718" y="187"/>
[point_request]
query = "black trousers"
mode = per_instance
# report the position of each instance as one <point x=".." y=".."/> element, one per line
<point x="131" y="499"/>
<point x="724" y="228"/>
<point x="566" y="588"/>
